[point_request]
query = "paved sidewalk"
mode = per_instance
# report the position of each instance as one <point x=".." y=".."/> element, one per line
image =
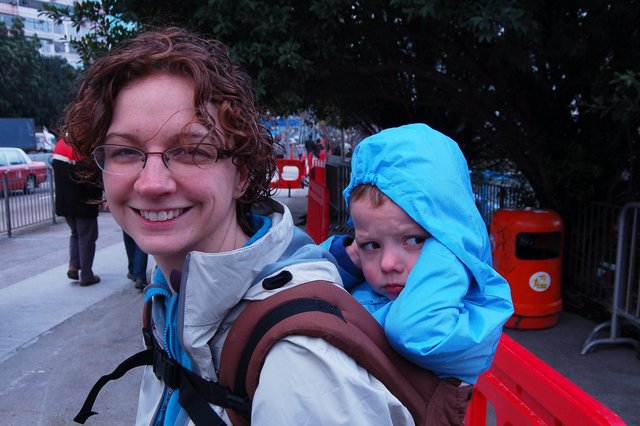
<point x="57" y="338"/>
<point x="35" y="293"/>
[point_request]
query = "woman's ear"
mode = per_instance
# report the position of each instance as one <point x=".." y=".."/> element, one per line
<point x="242" y="183"/>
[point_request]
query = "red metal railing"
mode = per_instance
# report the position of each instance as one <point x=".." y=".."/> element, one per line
<point x="524" y="390"/>
<point x="318" y="205"/>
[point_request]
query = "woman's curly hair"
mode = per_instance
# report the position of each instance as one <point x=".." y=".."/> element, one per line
<point x="217" y="80"/>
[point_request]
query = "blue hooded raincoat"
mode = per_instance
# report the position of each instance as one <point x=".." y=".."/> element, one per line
<point x="449" y="317"/>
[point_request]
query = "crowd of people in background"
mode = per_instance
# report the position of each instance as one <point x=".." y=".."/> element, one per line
<point x="317" y="148"/>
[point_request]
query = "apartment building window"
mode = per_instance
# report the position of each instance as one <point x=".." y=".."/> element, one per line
<point x="59" y="46"/>
<point x="46" y="46"/>
<point x="31" y="24"/>
<point x="6" y="19"/>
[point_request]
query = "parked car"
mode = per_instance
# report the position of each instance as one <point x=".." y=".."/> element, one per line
<point x="45" y="157"/>
<point x="23" y="173"/>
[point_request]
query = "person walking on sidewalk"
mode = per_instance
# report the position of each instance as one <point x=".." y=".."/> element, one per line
<point x="136" y="262"/>
<point x="77" y="202"/>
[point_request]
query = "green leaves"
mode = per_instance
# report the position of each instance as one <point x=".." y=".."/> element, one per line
<point x="102" y="24"/>
<point x="32" y="85"/>
<point x="549" y="86"/>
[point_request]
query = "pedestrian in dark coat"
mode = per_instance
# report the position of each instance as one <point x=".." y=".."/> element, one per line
<point x="136" y="262"/>
<point x="77" y="202"/>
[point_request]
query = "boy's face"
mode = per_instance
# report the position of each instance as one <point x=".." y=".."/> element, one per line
<point x="388" y="242"/>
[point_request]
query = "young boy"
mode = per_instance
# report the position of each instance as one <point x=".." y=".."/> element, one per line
<point x="421" y="259"/>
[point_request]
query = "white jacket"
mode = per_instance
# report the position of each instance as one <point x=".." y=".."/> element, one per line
<point x="304" y="381"/>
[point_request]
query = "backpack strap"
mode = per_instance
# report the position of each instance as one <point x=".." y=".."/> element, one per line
<point x="323" y="310"/>
<point x="137" y="360"/>
<point x="195" y="392"/>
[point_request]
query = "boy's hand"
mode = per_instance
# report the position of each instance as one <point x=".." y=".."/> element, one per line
<point x="352" y="251"/>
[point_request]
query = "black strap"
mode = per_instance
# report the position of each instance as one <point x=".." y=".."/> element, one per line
<point x="269" y="320"/>
<point x="196" y="407"/>
<point x="195" y="392"/>
<point x="141" y="358"/>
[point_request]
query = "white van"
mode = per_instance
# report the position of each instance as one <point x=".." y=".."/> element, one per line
<point x="45" y="141"/>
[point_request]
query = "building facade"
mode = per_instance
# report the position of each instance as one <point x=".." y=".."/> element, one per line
<point x="54" y="38"/>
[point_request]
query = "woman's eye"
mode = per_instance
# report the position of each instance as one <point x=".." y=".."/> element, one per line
<point x="194" y="153"/>
<point x="124" y="154"/>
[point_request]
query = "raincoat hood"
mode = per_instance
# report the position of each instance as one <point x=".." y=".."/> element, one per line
<point x="425" y="173"/>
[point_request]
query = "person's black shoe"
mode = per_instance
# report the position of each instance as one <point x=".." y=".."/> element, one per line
<point x="130" y="276"/>
<point x="140" y="284"/>
<point x="73" y="274"/>
<point x="91" y="281"/>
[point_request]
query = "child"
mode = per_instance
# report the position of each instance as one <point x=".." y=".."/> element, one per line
<point x="421" y="261"/>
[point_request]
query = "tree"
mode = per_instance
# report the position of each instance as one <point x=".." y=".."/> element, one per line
<point x="32" y="86"/>
<point x="551" y="87"/>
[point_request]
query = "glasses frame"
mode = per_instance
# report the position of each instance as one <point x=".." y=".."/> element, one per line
<point x="221" y="154"/>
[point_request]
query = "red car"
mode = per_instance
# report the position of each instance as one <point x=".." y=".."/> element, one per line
<point x="23" y="173"/>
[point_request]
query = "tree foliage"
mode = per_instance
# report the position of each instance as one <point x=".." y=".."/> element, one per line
<point x="32" y="86"/>
<point x="552" y="87"/>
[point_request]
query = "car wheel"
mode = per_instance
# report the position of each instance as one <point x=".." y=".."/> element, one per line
<point x="30" y="185"/>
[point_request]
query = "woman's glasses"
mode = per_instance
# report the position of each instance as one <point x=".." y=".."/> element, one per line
<point x="126" y="160"/>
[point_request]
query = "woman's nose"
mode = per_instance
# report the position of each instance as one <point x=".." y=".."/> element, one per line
<point x="155" y="177"/>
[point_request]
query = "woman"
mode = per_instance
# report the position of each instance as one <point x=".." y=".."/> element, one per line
<point x="171" y="124"/>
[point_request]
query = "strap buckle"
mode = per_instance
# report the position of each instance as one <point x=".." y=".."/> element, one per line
<point x="166" y="369"/>
<point x="238" y="403"/>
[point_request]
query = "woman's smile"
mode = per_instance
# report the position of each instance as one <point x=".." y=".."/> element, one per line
<point x="160" y="215"/>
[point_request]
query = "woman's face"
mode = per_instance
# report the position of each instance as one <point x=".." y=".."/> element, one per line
<point x="166" y="212"/>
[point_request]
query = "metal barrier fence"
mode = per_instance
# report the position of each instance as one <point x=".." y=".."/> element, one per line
<point x="337" y="178"/>
<point x="491" y="197"/>
<point x="626" y="292"/>
<point x="19" y="210"/>
<point x="590" y="258"/>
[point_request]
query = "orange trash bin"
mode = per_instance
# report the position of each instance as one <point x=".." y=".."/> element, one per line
<point x="526" y="246"/>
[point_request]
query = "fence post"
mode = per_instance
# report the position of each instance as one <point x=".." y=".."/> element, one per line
<point x="625" y="308"/>
<point x="52" y="192"/>
<point x="7" y="205"/>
